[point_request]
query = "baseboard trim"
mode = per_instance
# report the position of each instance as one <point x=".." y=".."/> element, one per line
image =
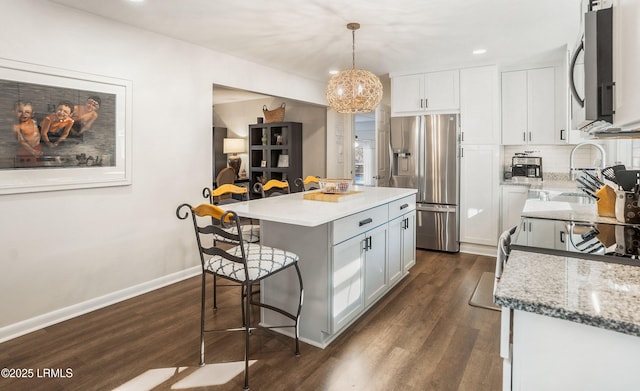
<point x="41" y="321"/>
<point x="478" y="249"/>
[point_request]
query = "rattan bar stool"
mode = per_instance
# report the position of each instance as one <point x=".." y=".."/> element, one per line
<point x="245" y="263"/>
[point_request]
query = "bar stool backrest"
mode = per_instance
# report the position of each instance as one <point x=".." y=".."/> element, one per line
<point x="309" y="183"/>
<point x="210" y="221"/>
<point x="272" y="188"/>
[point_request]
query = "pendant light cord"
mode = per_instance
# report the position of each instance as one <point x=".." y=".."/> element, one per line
<point x="353" y="49"/>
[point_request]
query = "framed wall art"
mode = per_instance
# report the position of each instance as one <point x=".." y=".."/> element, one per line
<point x="283" y="161"/>
<point x="61" y="129"/>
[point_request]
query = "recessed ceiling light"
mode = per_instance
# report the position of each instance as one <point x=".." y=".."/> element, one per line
<point x="333" y="72"/>
<point x="480" y="51"/>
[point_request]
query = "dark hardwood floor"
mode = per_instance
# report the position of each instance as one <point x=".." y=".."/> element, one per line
<point x="422" y="336"/>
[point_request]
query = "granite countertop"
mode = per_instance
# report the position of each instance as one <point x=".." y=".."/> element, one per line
<point x="551" y="182"/>
<point x="600" y="294"/>
<point x="546" y="185"/>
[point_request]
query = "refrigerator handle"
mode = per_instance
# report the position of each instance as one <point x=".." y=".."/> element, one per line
<point x="420" y="163"/>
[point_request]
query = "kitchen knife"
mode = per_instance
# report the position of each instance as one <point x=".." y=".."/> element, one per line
<point x="588" y="189"/>
<point x="594" y="178"/>
<point x="590" y="179"/>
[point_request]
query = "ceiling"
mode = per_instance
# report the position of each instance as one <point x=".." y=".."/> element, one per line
<point x="309" y="38"/>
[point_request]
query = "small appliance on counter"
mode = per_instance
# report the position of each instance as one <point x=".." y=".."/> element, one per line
<point x="523" y="165"/>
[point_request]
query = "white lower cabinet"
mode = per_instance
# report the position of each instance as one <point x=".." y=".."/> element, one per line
<point x="371" y="251"/>
<point x="375" y="264"/>
<point x="402" y="245"/>
<point x="545" y="353"/>
<point x="513" y="199"/>
<point x="347" y="270"/>
<point x="347" y="265"/>
<point x="359" y="274"/>
<point x="549" y="234"/>
<point x="409" y="241"/>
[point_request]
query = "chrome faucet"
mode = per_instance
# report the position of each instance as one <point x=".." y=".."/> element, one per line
<point x="573" y="171"/>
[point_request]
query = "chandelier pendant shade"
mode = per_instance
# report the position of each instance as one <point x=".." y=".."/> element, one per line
<point x="354" y="90"/>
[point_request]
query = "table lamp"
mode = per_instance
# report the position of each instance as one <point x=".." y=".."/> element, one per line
<point x="234" y="146"/>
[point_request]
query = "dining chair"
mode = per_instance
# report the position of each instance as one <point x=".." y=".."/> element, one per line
<point x="272" y="188"/>
<point x="250" y="229"/>
<point x="245" y="263"/>
<point x="309" y="183"/>
<point x="225" y="176"/>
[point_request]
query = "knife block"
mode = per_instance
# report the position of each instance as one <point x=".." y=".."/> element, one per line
<point x="627" y="208"/>
<point x="606" y="201"/>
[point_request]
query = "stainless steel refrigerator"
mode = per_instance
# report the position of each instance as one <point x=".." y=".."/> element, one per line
<point x="425" y="156"/>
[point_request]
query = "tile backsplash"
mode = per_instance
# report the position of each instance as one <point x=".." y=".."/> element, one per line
<point x="555" y="158"/>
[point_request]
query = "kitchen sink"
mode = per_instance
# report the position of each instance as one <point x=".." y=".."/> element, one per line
<point x="574" y="198"/>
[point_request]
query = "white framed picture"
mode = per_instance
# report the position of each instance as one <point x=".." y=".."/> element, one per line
<point x="283" y="161"/>
<point x="69" y="130"/>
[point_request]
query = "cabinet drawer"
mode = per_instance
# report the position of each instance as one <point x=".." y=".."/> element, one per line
<point x="402" y="206"/>
<point x="358" y="223"/>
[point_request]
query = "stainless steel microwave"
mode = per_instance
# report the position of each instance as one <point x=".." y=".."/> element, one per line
<point x="597" y="44"/>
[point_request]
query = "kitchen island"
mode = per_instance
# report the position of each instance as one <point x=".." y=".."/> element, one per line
<point x="352" y="252"/>
<point x="569" y="322"/>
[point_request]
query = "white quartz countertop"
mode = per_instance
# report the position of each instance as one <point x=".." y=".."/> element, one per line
<point x="294" y="209"/>
<point x="600" y="294"/>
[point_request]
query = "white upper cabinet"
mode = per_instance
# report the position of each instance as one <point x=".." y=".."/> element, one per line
<point x="479" y="115"/>
<point x="434" y="92"/>
<point x="528" y="108"/>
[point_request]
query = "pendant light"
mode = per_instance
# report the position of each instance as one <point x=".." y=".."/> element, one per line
<point x="354" y="90"/>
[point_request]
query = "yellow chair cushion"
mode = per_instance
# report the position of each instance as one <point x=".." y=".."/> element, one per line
<point x="310" y="179"/>
<point x="204" y="210"/>
<point x="275" y="183"/>
<point x="228" y="189"/>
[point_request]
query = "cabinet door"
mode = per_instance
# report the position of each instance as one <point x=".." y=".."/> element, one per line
<point x="541" y="107"/>
<point x="407" y="94"/>
<point x="479" y="123"/>
<point x="513" y="200"/>
<point x="396" y="234"/>
<point x="347" y="289"/>
<point x="514" y="108"/>
<point x="375" y="264"/>
<point x="540" y="233"/>
<point x="442" y="91"/>
<point x="409" y="241"/>
<point x="479" y="200"/>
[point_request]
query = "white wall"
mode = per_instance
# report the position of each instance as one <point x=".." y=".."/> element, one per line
<point x="66" y="252"/>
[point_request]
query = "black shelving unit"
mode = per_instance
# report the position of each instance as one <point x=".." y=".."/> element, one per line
<point x="275" y="152"/>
